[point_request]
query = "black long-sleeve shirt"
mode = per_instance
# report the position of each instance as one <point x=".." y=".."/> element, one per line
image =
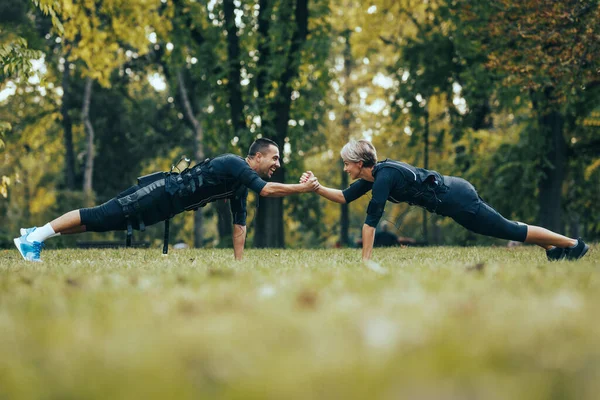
<point x="227" y="177"/>
<point x="397" y="182"/>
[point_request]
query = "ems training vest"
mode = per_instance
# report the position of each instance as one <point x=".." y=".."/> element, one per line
<point x="422" y="185"/>
<point x="201" y="185"/>
<point x="192" y="188"/>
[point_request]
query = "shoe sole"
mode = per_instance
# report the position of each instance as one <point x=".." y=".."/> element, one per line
<point x="17" y="245"/>
<point x="552" y="259"/>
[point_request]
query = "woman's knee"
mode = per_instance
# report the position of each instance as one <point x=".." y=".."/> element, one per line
<point x="490" y="222"/>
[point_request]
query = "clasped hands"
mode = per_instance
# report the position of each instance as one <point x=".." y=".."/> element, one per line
<point x="308" y="178"/>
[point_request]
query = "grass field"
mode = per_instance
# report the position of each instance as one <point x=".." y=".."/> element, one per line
<point x="427" y="323"/>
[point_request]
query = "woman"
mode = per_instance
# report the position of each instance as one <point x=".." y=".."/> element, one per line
<point x="444" y="195"/>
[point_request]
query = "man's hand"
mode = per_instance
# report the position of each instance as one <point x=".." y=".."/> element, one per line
<point x="310" y="185"/>
<point x="306" y="176"/>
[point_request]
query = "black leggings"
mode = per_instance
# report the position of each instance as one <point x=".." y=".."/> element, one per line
<point x="462" y="203"/>
<point x="109" y="216"/>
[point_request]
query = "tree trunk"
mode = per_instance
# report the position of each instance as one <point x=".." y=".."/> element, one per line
<point x="225" y="221"/>
<point x="198" y="152"/>
<point x="344" y="213"/>
<point x="575" y="226"/>
<point x="224" y="224"/>
<point x="269" y="219"/>
<point x="26" y="195"/>
<point x="482" y="115"/>
<point x="269" y="231"/>
<point x="346" y="121"/>
<point x="89" y="133"/>
<point x="236" y="108"/>
<point x="236" y="104"/>
<point x="553" y="169"/>
<point x="425" y="165"/>
<point x="68" y="128"/>
<point x="264" y="19"/>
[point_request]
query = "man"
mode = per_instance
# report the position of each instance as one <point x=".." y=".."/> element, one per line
<point x="444" y="195"/>
<point x="159" y="196"/>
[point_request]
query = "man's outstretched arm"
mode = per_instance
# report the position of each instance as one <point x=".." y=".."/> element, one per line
<point x="239" y="239"/>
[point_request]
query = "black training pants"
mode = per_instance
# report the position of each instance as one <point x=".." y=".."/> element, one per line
<point x="462" y="203"/>
<point x="155" y="207"/>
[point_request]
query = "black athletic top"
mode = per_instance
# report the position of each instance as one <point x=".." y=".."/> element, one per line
<point x="397" y="182"/>
<point x="226" y="177"/>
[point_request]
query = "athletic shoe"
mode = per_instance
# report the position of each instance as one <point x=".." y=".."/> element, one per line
<point x="29" y="250"/>
<point x="27" y="231"/>
<point x="555" y="254"/>
<point x="575" y="253"/>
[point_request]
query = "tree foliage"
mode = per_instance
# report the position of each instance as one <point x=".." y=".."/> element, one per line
<point x="537" y="44"/>
<point x="503" y="94"/>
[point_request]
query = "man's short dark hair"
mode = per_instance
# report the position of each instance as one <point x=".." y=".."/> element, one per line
<point x="260" y="146"/>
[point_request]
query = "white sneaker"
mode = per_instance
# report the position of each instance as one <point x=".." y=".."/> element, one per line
<point x="27" y="231"/>
<point x="30" y="251"/>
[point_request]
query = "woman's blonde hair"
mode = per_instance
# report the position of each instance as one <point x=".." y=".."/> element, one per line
<point x="359" y="150"/>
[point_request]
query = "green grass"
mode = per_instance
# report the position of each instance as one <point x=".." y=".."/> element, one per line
<point x="438" y="323"/>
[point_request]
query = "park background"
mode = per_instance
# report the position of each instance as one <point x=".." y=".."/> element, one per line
<point x="505" y="94"/>
<point x="97" y="92"/>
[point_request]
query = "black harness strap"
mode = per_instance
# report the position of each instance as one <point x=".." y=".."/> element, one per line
<point x="423" y="185"/>
<point x="176" y="184"/>
<point x="131" y="207"/>
<point x="166" y="238"/>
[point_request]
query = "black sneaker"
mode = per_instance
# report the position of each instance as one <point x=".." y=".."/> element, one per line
<point x="555" y="254"/>
<point x="575" y="253"/>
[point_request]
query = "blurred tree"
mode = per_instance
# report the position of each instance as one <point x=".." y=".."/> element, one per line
<point x="281" y="48"/>
<point x="15" y="54"/>
<point x="488" y="92"/>
<point x="426" y="71"/>
<point x="549" y="51"/>
<point x="101" y="39"/>
<point x="119" y="150"/>
<point x="189" y="85"/>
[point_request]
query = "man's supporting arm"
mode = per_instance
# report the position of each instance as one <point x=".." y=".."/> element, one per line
<point x="368" y="237"/>
<point x="239" y="239"/>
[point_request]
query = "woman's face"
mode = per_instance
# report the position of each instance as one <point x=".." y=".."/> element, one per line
<point x="352" y="168"/>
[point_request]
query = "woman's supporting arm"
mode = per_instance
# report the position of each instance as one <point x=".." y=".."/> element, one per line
<point x="368" y="237"/>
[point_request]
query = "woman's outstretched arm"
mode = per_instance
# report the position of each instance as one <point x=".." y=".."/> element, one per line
<point x="330" y="194"/>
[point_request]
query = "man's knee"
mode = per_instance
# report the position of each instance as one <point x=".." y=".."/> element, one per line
<point x="106" y="217"/>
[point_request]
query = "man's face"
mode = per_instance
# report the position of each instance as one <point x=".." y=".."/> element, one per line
<point x="268" y="162"/>
<point x="352" y="169"/>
